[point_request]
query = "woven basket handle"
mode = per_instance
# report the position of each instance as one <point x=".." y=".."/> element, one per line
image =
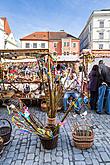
<point x="8" y="122"/>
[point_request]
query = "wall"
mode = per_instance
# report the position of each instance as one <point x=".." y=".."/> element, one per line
<point x="31" y="44"/>
<point x="52" y="49"/>
<point x="1" y="34"/>
<point x="70" y="48"/>
<point x="10" y="42"/>
<point x="97" y="29"/>
<point x="89" y="38"/>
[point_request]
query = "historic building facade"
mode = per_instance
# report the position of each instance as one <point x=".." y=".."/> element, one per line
<point x="60" y="44"/>
<point x="7" y="40"/>
<point x="96" y="33"/>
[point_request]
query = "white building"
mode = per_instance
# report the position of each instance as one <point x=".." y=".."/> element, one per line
<point x="36" y="40"/>
<point x="96" y="33"/>
<point x="2" y="43"/>
<point x="7" y="40"/>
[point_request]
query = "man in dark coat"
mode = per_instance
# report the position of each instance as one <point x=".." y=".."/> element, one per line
<point x="104" y="89"/>
<point x="105" y="72"/>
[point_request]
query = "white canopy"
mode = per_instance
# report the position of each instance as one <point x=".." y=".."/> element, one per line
<point x="71" y="58"/>
<point x="17" y="60"/>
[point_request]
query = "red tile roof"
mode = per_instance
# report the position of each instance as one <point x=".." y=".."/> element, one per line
<point x="47" y="36"/>
<point x="60" y="35"/>
<point x="6" y="25"/>
<point x="36" y="36"/>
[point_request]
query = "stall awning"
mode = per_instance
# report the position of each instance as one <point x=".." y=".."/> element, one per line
<point x="67" y="58"/>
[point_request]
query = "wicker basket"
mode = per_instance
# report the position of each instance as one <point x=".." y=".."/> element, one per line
<point x="5" y="131"/>
<point x="83" y="138"/>
<point x="1" y="145"/>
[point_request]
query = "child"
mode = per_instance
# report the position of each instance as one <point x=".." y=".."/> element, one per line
<point x="76" y="107"/>
<point x="69" y="101"/>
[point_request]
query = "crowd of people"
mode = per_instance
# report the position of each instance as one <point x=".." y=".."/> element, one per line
<point x="99" y="87"/>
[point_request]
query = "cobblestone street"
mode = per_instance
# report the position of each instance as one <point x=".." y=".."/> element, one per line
<point x="26" y="148"/>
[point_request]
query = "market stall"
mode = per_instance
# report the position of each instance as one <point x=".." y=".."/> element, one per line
<point x="19" y="71"/>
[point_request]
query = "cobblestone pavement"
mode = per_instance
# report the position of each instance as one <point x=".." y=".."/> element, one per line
<point x="26" y="148"/>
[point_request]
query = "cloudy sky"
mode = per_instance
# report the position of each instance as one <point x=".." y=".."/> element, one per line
<point x="27" y="16"/>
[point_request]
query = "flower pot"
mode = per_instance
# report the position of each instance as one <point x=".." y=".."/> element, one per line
<point x="5" y="131"/>
<point x="83" y="139"/>
<point x="50" y="143"/>
<point x="1" y="145"/>
<point x="51" y="121"/>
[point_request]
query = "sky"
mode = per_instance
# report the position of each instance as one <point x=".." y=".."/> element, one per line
<point x="28" y="16"/>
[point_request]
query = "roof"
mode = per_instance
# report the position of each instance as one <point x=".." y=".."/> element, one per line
<point x="6" y="26"/>
<point x="48" y="36"/>
<point x="36" y="36"/>
<point x="59" y="35"/>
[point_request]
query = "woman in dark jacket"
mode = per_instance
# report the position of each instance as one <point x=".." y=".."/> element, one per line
<point x="94" y="83"/>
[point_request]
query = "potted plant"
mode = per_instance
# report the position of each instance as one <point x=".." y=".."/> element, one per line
<point x="27" y="121"/>
<point x="53" y="88"/>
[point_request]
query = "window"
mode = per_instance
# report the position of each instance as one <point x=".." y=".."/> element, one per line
<point x="64" y="43"/>
<point x="34" y="45"/>
<point x="100" y="46"/>
<point x="55" y="44"/>
<point x="42" y="45"/>
<point x="54" y="53"/>
<point x="74" y="44"/>
<point x="68" y="43"/>
<point x="101" y="24"/>
<point x="64" y="53"/>
<point x="67" y="53"/>
<point x="101" y="35"/>
<point x="27" y="45"/>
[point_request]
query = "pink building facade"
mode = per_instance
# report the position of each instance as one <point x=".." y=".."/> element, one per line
<point x="64" y="46"/>
<point x="70" y="46"/>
